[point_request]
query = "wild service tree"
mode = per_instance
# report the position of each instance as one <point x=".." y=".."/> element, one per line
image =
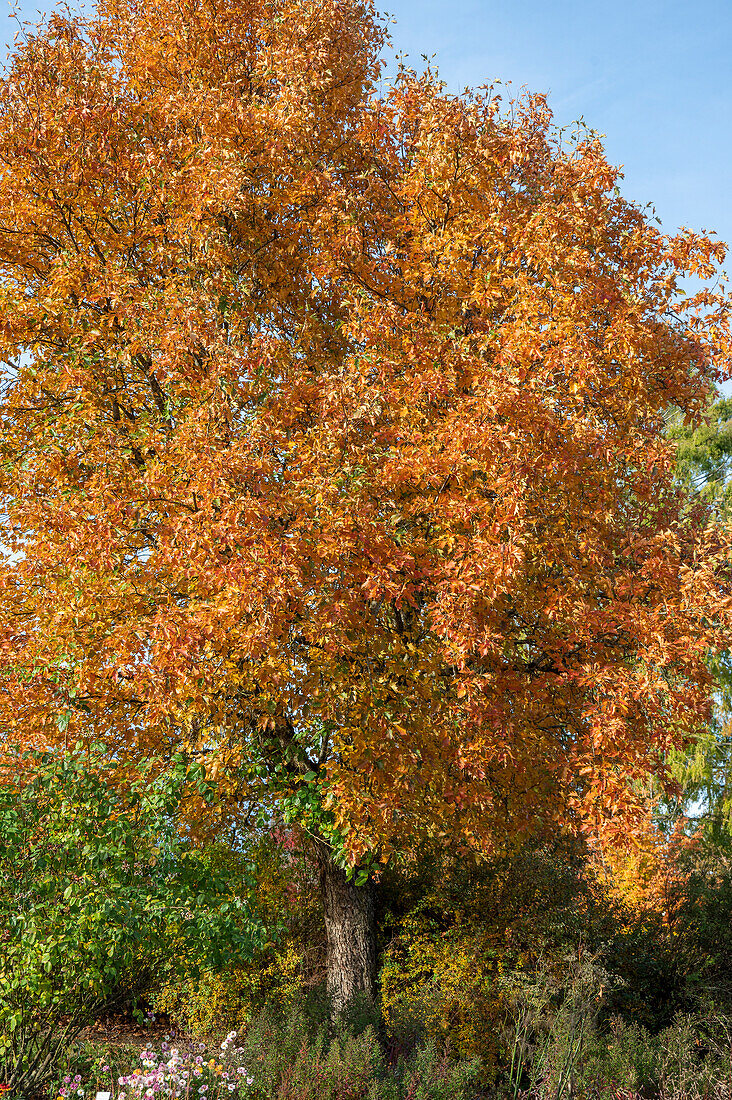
<point x="332" y="437"/>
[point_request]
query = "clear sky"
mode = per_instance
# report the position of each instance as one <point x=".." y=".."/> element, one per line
<point x="653" y="76"/>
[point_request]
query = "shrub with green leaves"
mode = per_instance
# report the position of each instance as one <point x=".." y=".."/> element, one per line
<point x="95" y="876"/>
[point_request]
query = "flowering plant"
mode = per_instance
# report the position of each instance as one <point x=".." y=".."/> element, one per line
<point x="184" y="1071"/>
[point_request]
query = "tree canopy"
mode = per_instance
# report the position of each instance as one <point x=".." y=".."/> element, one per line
<point x="333" y="430"/>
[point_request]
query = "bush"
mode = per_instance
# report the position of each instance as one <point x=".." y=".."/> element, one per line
<point x="584" y="1059"/>
<point x="230" y="996"/>
<point x="92" y="873"/>
<point x="459" y="931"/>
<point x="286" y="968"/>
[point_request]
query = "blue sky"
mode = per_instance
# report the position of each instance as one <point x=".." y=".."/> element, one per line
<point x="653" y="76"/>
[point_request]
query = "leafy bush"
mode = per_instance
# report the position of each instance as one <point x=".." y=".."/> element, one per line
<point x="441" y="982"/>
<point x="228" y="997"/>
<point x="91" y="873"/>
<point x="283" y="969"/>
<point x="457" y="932"/>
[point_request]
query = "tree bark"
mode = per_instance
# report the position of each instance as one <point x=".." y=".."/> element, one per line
<point x="350" y="934"/>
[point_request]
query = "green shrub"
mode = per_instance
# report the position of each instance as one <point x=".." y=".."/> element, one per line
<point x="287" y="969"/>
<point x="293" y="1058"/>
<point x="93" y="879"/>
<point x="690" y="1060"/>
<point x="624" y="1057"/>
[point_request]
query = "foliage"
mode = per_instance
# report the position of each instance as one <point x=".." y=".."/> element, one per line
<point x="702" y="923"/>
<point x="567" y="1015"/>
<point x="92" y="875"/>
<point x="689" y="1060"/>
<point x="336" y="455"/>
<point x="332" y="431"/>
<point x="568" y="1044"/>
<point x="649" y="874"/>
<point x="704" y="453"/>
<point x="703" y="768"/>
<point x="443" y="985"/>
<point x="231" y="995"/>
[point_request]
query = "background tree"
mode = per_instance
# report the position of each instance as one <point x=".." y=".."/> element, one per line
<point x="704" y="451"/>
<point x="332" y="438"/>
<point x="703" y="462"/>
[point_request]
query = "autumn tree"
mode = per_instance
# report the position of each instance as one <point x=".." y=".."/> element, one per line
<point x="332" y="438"/>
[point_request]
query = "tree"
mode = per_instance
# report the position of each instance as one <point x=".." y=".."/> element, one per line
<point x="332" y="438"/>
<point x="703" y="461"/>
<point x="704" y="452"/>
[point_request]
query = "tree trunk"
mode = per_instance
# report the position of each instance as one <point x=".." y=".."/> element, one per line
<point x="350" y="934"/>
